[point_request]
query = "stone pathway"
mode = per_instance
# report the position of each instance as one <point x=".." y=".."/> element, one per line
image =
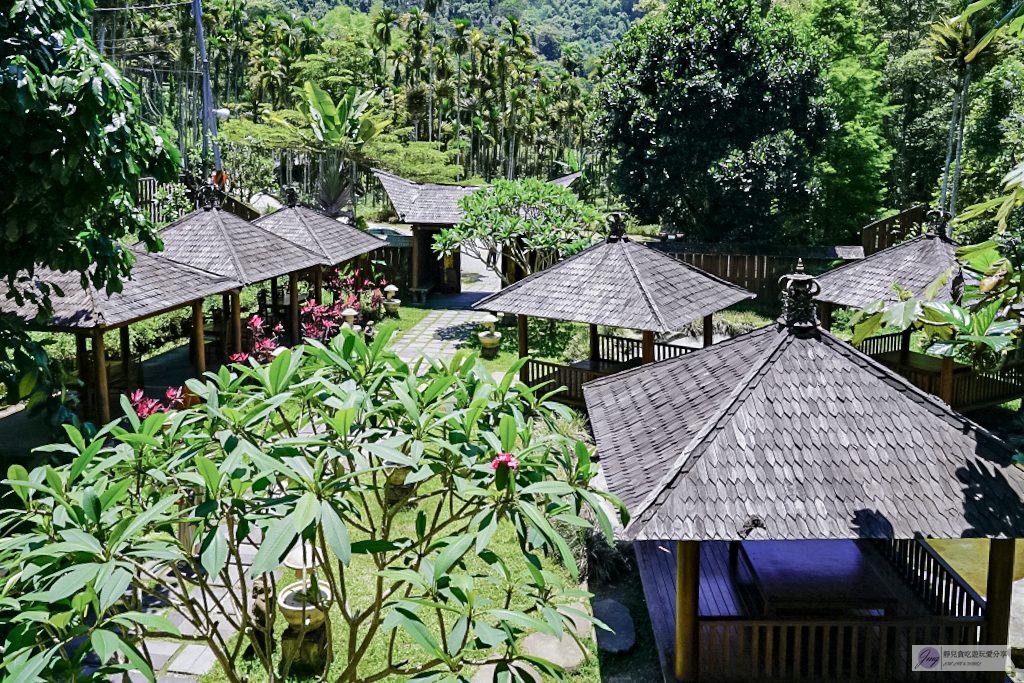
<point x="451" y="322"/>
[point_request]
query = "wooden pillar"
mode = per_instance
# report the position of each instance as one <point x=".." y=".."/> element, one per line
<point x="524" y="343"/>
<point x="687" y="598"/>
<point x="946" y="380"/>
<point x="595" y="344"/>
<point x="275" y="294"/>
<point x="84" y="373"/>
<point x="102" y="388"/>
<point x="905" y="345"/>
<point x="293" y="308"/>
<point x="996" y="629"/>
<point x="709" y="330"/>
<point x="198" y="337"/>
<point x="318" y="284"/>
<point x="415" y="258"/>
<point x="236" y="322"/>
<point x="647" y="347"/>
<point x="126" y="357"/>
<point x="826" y="315"/>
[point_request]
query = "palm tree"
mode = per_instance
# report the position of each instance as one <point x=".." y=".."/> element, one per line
<point x="383" y="23"/>
<point x="459" y="46"/>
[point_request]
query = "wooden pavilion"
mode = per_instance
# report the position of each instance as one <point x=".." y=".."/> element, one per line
<point x="156" y="285"/>
<point x="219" y="242"/>
<point x="914" y="265"/>
<point x="781" y="486"/>
<point x="617" y="283"/>
<point x="335" y="240"/>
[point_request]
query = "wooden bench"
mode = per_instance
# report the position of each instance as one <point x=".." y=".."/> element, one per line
<point x="419" y="294"/>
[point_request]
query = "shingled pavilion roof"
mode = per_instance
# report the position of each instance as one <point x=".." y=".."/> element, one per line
<point x="337" y="241"/>
<point x="156" y="284"/>
<point x="913" y="264"/>
<point x="424" y="203"/>
<point x="214" y="240"/>
<point x="619" y="283"/>
<point x="795" y="433"/>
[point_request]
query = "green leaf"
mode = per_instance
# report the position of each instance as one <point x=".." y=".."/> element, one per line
<point x="72" y="581"/>
<point x="521" y="620"/>
<point x="105" y="644"/>
<point x="92" y="506"/>
<point x="156" y="622"/>
<point x="214" y="553"/>
<point x="16" y="473"/>
<point x="277" y="540"/>
<point x="450" y="555"/>
<point x="419" y="632"/>
<point x="336" y="533"/>
<point x="306" y="511"/>
<point x="507" y="430"/>
<point x="208" y="470"/>
<point x="114" y="587"/>
<point x="556" y="488"/>
<point x="492" y="637"/>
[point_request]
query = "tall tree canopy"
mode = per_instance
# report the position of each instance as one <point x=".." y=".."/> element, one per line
<point x="715" y="110"/>
<point x="71" y="156"/>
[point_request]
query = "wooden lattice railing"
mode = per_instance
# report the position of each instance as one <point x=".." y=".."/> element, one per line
<point x="866" y="650"/>
<point x="934" y="581"/>
<point x="622" y="349"/>
<point x="883" y="343"/>
<point x="551" y="376"/>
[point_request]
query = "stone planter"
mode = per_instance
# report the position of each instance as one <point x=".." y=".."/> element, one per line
<point x="302" y="564"/>
<point x="391" y="306"/>
<point x="490" y="341"/>
<point x="297" y="611"/>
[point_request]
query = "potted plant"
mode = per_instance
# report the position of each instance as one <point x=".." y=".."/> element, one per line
<point x="490" y="339"/>
<point x="391" y="304"/>
<point x="303" y="605"/>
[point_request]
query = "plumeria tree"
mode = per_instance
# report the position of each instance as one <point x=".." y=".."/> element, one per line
<point x="402" y="477"/>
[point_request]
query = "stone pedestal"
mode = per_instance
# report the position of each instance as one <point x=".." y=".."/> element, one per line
<point x="307" y="652"/>
<point x="258" y="612"/>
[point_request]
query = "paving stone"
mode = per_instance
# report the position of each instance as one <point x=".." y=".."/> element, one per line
<point x="485" y="674"/>
<point x="194" y="659"/>
<point x="161" y="651"/>
<point x="176" y="679"/>
<point x="564" y="652"/>
<point x="133" y="677"/>
<point x="617" y="617"/>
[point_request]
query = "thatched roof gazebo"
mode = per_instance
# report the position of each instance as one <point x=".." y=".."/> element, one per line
<point x="156" y="285"/>
<point x="780" y="486"/>
<point x="217" y="241"/>
<point x="617" y="283"/>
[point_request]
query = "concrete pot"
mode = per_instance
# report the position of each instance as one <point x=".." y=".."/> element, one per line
<point x="297" y="611"/>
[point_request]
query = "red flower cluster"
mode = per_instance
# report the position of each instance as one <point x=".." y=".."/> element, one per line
<point x="505" y="459"/>
<point x="263" y="344"/>
<point x="322" y="322"/>
<point x="361" y="294"/>
<point x="144" y="407"/>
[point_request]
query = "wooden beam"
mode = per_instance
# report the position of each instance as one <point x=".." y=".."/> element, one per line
<point x="102" y="388"/>
<point x="687" y="608"/>
<point x="293" y="308"/>
<point x="996" y="629"/>
<point x="709" y="330"/>
<point x="126" y="357"/>
<point x="946" y="380"/>
<point x="647" y="348"/>
<point x="236" y="321"/>
<point x="905" y="345"/>
<point x="415" y="258"/>
<point x="523" y="330"/>
<point x="826" y="315"/>
<point x="84" y="373"/>
<point x="595" y="344"/>
<point x="198" y="337"/>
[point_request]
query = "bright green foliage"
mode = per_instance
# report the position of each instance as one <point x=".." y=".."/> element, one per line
<point x="327" y="445"/>
<point x="532" y="222"/>
<point x="71" y="155"/>
<point x="856" y="157"/>
<point x="714" y="110"/>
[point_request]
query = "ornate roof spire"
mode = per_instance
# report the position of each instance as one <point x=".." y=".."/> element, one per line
<point x="617" y="227"/>
<point x="938" y="223"/>
<point x="209" y="198"/>
<point x="291" y="197"/>
<point x="799" y="311"/>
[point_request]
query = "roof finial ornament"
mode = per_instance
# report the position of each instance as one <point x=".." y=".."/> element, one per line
<point x="799" y="311"/>
<point x="938" y="223"/>
<point x="291" y="197"/>
<point x="208" y="197"/>
<point x="617" y="229"/>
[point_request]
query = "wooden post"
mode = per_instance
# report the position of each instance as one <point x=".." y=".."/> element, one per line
<point x="905" y="345"/>
<point x="826" y="315"/>
<point x="996" y="629"/>
<point x="293" y="308"/>
<point x="318" y="284"/>
<point x="709" y="330"/>
<point x="198" y="335"/>
<point x="595" y="344"/>
<point x="524" y="343"/>
<point x="946" y="380"/>
<point x="275" y="294"/>
<point x="126" y="357"/>
<point x="236" y="321"/>
<point x="102" y="389"/>
<point x="84" y="373"/>
<point x="647" y="347"/>
<point x="415" y="258"/>
<point x="687" y="598"/>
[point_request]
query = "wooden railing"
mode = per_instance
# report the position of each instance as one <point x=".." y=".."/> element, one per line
<point x="622" y="349"/>
<point x="981" y="389"/>
<point x="933" y="579"/>
<point x="824" y="650"/>
<point x="552" y="376"/>
<point x="892" y="230"/>
<point x="883" y="343"/>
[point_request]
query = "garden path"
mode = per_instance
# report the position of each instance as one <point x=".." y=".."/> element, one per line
<point x="452" y="320"/>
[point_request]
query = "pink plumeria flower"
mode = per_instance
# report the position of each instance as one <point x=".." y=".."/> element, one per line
<point x="505" y="459"/>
